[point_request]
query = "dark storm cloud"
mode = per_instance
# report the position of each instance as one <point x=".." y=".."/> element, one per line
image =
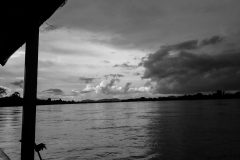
<point x="126" y="66"/>
<point x="146" y="23"/>
<point x="185" y="71"/>
<point x="18" y="83"/>
<point x="192" y="44"/>
<point x="53" y="91"/>
<point x="211" y="41"/>
<point x="108" y="14"/>
<point x="86" y="79"/>
<point x="195" y="44"/>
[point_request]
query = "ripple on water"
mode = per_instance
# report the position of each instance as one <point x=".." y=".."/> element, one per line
<point x="130" y="131"/>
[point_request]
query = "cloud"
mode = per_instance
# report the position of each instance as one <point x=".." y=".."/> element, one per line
<point x="108" y="87"/>
<point x="106" y="61"/>
<point x="56" y="92"/>
<point x="46" y="27"/>
<point x="146" y="23"/>
<point x="194" y="44"/>
<point x="126" y="87"/>
<point x="46" y="63"/>
<point x="72" y="42"/>
<point x="73" y="50"/>
<point x="139" y="89"/>
<point x="126" y="66"/>
<point x="75" y="92"/>
<point x="19" y="83"/>
<point x="147" y="88"/>
<point x="3" y="91"/>
<point x="111" y="87"/>
<point x="115" y="76"/>
<point x="211" y="41"/>
<point x="89" y="88"/>
<point x="189" y="70"/>
<point x="86" y="79"/>
<point x="136" y="74"/>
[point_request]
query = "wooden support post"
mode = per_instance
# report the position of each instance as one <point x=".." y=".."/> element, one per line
<point x="30" y="92"/>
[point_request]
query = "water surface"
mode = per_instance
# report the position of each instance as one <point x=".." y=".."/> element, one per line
<point x="135" y="130"/>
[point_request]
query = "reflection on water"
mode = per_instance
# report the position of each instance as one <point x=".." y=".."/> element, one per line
<point x="10" y="131"/>
<point x="147" y="130"/>
<point x="196" y="130"/>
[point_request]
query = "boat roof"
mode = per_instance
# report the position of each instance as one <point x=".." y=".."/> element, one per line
<point x="16" y="16"/>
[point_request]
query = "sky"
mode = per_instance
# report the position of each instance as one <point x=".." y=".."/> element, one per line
<point x="133" y="48"/>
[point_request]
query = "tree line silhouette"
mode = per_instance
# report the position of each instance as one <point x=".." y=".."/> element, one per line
<point x="16" y="100"/>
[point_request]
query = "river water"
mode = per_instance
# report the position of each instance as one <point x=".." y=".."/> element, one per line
<point x="169" y="130"/>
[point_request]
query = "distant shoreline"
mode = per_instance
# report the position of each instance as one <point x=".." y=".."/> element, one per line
<point x="15" y="100"/>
